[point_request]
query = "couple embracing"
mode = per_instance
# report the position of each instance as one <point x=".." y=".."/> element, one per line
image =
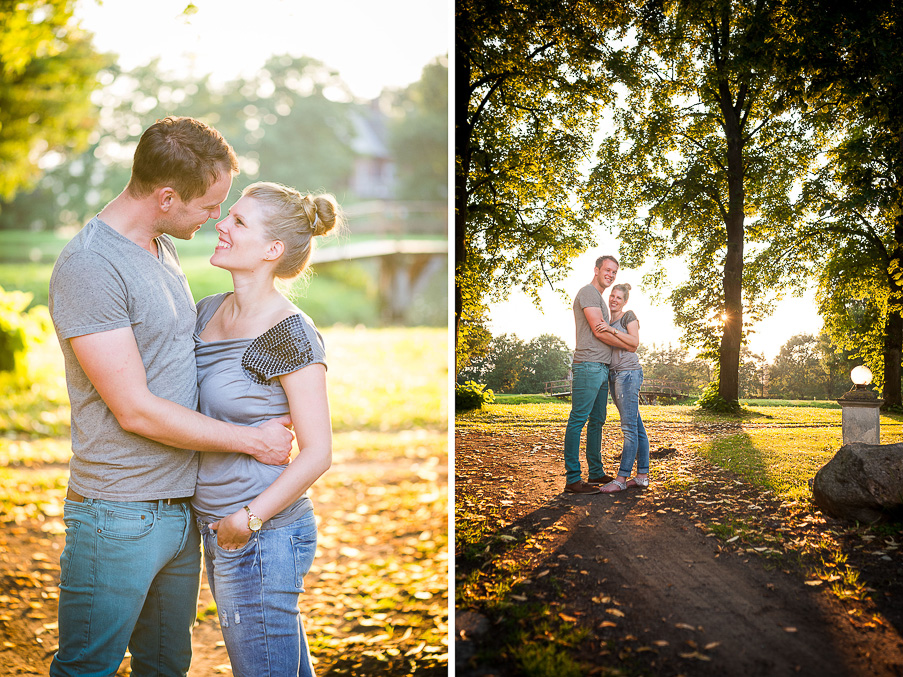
<point x="153" y="380"/>
<point x="607" y="340"/>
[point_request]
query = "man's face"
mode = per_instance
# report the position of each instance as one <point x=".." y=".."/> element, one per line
<point x="186" y="218"/>
<point x="606" y="273"/>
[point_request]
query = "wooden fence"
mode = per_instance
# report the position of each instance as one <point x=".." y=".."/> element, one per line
<point x="652" y="391"/>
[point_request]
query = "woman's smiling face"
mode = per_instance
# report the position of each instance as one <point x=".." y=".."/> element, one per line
<point x="243" y="240"/>
<point x="615" y="300"/>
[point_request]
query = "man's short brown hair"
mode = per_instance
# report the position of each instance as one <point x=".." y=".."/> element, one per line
<point x="182" y="153"/>
<point x="602" y="259"/>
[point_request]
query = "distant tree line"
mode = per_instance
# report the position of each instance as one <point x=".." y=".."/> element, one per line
<point x="807" y="367"/>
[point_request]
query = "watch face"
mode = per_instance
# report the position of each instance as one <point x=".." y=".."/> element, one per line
<point x="254" y="523"/>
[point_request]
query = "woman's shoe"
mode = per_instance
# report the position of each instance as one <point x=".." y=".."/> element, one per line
<point x="614" y="487"/>
<point x="638" y="482"/>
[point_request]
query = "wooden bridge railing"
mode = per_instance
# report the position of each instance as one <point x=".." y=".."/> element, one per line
<point x="651" y="390"/>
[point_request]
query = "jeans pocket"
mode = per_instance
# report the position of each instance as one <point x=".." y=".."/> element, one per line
<point x="127" y="525"/>
<point x="68" y="554"/>
<point x="304" y="547"/>
<point x="234" y="551"/>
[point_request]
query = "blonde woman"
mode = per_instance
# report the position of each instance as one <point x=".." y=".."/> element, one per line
<point x="625" y="375"/>
<point x="259" y="356"/>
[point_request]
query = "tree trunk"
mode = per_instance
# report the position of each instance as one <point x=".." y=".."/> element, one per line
<point x="732" y="281"/>
<point x="463" y="130"/>
<point x="893" y="352"/>
<point x="893" y="329"/>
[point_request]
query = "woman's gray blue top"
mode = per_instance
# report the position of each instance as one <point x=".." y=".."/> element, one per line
<point x="237" y="383"/>
<point x="624" y="360"/>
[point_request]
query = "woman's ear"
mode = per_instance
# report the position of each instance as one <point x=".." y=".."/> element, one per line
<point x="274" y="251"/>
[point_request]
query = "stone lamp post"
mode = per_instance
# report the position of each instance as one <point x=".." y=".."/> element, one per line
<point x="860" y="407"/>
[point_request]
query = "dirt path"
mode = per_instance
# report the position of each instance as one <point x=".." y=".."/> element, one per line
<point x="658" y="591"/>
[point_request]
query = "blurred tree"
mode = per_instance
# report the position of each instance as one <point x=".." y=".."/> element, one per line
<point x="673" y="363"/>
<point x="280" y="123"/>
<point x="419" y="136"/>
<point x="285" y="126"/>
<point x="753" y="370"/>
<point x="810" y="367"/>
<point x="547" y="358"/>
<point x="703" y="164"/>
<point x="506" y="361"/>
<point x="48" y="71"/>
<point x="529" y="87"/>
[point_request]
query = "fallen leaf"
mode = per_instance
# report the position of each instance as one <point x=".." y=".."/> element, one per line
<point x="696" y="655"/>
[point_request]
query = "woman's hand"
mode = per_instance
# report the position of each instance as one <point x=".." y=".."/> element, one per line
<point x="604" y="326"/>
<point x="232" y="532"/>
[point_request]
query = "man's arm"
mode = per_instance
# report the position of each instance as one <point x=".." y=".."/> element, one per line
<point x="629" y="340"/>
<point x="601" y="329"/>
<point x="112" y="362"/>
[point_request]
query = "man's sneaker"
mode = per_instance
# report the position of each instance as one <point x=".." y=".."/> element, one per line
<point x="581" y="487"/>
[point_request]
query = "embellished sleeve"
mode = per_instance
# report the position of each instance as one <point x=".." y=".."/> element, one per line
<point x="292" y="344"/>
<point x="629" y="317"/>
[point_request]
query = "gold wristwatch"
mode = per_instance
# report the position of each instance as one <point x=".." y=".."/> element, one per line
<point x="254" y="522"/>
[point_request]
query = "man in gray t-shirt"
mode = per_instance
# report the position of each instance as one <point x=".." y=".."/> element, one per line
<point x="589" y="387"/>
<point x="124" y="316"/>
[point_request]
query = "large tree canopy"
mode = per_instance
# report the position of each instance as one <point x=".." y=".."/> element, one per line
<point x="702" y="164"/>
<point x="530" y="83"/>
<point x="847" y="58"/>
<point x="48" y="70"/>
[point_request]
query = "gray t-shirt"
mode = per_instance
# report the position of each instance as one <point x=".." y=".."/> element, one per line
<point x="238" y="384"/>
<point x="104" y="281"/>
<point x="589" y="348"/>
<point x="624" y="360"/>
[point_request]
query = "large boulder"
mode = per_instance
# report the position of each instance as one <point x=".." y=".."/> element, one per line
<point x="862" y="482"/>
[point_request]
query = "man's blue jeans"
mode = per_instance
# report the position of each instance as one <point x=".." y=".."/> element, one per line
<point x="130" y="576"/>
<point x="625" y="390"/>
<point x="256" y="589"/>
<point x="589" y="398"/>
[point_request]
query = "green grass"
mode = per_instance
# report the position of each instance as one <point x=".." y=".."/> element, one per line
<point x="782" y="445"/>
<point x="818" y="404"/>
<point x="526" y="399"/>
<point x="337" y="293"/>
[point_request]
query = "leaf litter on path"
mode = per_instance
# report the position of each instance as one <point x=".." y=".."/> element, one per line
<point x="746" y="530"/>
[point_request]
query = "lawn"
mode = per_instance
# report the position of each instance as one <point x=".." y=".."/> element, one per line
<point x="777" y="446"/>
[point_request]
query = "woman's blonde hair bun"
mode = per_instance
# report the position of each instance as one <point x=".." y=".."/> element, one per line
<point x="294" y="219"/>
